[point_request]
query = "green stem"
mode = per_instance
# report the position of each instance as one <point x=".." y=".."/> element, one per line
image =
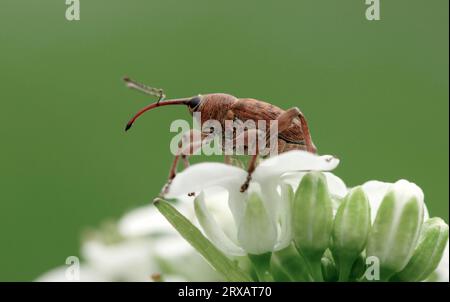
<point x="261" y="264"/>
<point x="192" y="234"/>
<point x="316" y="269"/>
<point x="314" y="264"/>
<point x="264" y="276"/>
<point x="345" y="268"/>
<point x="280" y="273"/>
<point x="292" y="263"/>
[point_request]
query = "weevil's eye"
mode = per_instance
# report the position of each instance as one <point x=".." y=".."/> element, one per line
<point x="194" y="102"/>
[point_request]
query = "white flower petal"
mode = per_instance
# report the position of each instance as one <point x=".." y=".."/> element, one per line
<point x="441" y="271"/>
<point x="171" y="248"/>
<point x="376" y="190"/>
<point x="269" y="193"/>
<point x="174" y="278"/>
<point x="257" y="233"/>
<point x="178" y="257"/>
<point x="213" y="230"/>
<point x="129" y="260"/>
<point x="205" y="175"/>
<point x="294" y="161"/>
<point x="404" y="190"/>
<point x="236" y="203"/>
<point x="86" y="274"/>
<point x="144" y="221"/>
<point x="336" y="186"/>
<point x="285" y="217"/>
<point x="217" y="201"/>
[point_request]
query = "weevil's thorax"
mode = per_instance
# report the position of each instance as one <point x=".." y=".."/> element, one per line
<point x="215" y="106"/>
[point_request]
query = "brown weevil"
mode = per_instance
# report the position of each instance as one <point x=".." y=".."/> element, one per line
<point x="293" y="132"/>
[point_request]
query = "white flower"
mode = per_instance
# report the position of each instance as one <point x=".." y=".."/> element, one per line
<point x="168" y="249"/>
<point x="148" y="246"/>
<point x="59" y="274"/>
<point x="147" y="221"/>
<point x="376" y="191"/>
<point x="396" y="229"/>
<point x="127" y="260"/>
<point x="255" y="222"/>
<point x="258" y="220"/>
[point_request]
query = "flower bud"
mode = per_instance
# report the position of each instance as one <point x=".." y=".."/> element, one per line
<point x="350" y="230"/>
<point x="428" y="252"/>
<point x="256" y="233"/>
<point x="358" y="268"/>
<point x="313" y="220"/>
<point x="313" y="215"/>
<point x="396" y="228"/>
<point x="329" y="270"/>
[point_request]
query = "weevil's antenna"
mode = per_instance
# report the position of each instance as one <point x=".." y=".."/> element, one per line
<point x="145" y="89"/>
<point x="153" y="92"/>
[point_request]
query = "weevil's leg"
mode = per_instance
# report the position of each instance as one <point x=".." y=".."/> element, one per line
<point x="185" y="160"/>
<point x="310" y="147"/>
<point x="184" y="157"/>
<point x="284" y="121"/>
<point x="250" y="170"/>
<point x="172" y="173"/>
<point x="197" y="138"/>
<point x="189" y="149"/>
<point x="250" y="138"/>
<point x="281" y="145"/>
<point x="194" y="143"/>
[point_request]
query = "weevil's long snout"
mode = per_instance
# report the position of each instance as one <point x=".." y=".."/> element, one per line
<point x="184" y="101"/>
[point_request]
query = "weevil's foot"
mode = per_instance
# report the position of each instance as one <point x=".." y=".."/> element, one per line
<point x="244" y="187"/>
<point x="165" y="188"/>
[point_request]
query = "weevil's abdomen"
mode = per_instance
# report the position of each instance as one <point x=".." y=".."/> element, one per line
<point x="253" y="109"/>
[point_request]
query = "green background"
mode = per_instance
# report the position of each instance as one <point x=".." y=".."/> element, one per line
<point x="375" y="94"/>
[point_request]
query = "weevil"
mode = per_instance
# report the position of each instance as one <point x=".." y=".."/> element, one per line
<point x="293" y="132"/>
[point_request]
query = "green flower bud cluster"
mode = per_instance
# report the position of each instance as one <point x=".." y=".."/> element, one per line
<point x="399" y="245"/>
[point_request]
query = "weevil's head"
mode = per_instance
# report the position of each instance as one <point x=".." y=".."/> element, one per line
<point x="194" y="103"/>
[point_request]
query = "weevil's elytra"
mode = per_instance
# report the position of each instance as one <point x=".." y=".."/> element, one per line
<point x="293" y="131"/>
